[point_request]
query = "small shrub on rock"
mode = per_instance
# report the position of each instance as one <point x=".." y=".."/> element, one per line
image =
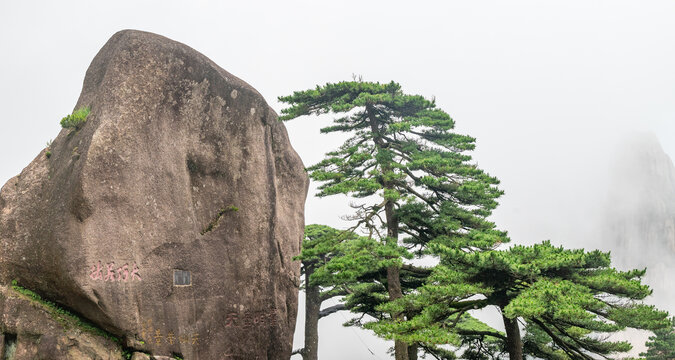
<point x="76" y="119"/>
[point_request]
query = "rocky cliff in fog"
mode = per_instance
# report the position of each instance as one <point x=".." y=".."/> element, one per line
<point x="640" y="214"/>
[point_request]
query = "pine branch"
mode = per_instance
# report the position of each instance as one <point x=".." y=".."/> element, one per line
<point x="333" y="309"/>
<point x="567" y="348"/>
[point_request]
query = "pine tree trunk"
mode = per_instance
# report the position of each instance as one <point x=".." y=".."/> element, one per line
<point x="312" y="308"/>
<point x="514" y="344"/>
<point x="393" y="273"/>
<point x="394" y="279"/>
<point x="412" y="352"/>
<point x="394" y="285"/>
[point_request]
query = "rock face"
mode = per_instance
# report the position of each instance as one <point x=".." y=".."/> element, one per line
<point x="172" y="216"/>
<point x="640" y="216"/>
<point x="31" y="330"/>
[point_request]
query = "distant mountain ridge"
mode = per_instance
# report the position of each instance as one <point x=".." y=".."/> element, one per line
<point x="639" y="223"/>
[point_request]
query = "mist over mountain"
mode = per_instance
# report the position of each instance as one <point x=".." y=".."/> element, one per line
<point x="639" y="218"/>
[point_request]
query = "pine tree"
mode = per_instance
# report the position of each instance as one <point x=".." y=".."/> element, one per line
<point x="403" y="150"/>
<point x="661" y="346"/>
<point x="321" y="243"/>
<point x="568" y="300"/>
<point x="341" y="264"/>
<point x="360" y="271"/>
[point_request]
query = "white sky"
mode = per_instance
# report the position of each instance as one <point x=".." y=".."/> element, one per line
<point x="547" y="87"/>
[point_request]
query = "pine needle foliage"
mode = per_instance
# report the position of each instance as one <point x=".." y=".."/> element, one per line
<point x="661" y="346"/>
<point x="570" y="300"/>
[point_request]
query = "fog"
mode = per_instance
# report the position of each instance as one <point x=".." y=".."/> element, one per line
<point x="550" y="90"/>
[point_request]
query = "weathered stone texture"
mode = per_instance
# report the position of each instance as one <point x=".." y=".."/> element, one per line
<point x="180" y="166"/>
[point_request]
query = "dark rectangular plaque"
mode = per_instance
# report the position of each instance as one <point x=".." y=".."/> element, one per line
<point x="182" y="278"/>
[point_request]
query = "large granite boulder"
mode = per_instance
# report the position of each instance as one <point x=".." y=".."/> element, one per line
<point x="171" y="217"/>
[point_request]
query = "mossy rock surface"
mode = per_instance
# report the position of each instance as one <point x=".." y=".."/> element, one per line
<point x="37" y="329"/>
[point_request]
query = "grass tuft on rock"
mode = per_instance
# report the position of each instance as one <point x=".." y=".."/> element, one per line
<point x="215" y="220"/>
